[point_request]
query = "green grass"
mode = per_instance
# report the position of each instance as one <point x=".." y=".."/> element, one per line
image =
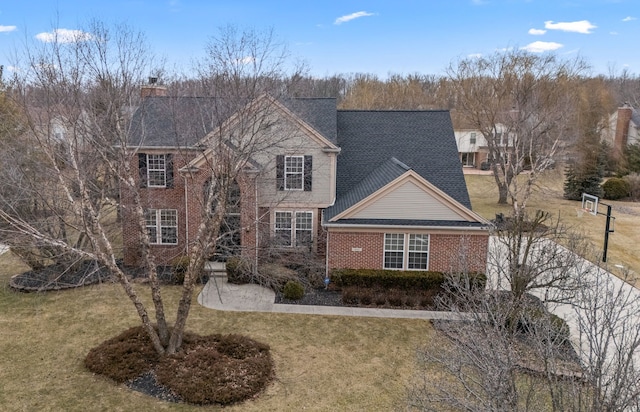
<point x="623" y="243"/>
<point x="322" y="363"/>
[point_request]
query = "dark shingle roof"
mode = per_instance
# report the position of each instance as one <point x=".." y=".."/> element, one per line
<point x="184" y="121"/>
<point x="173" y="121"/>
<point x="319" y="113"/>
<point x="422" y="140"/>
<point x="377" y="179"/>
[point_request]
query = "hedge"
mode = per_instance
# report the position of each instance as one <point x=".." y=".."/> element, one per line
<point x="422" y="280"/>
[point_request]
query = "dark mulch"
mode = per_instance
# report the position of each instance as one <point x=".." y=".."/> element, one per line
<point x="318" y="297"/>
<point x="148" y="384"/>
<point x="58" y="277"/>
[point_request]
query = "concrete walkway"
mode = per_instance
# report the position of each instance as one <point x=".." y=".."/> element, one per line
<point x="219" y="294"/>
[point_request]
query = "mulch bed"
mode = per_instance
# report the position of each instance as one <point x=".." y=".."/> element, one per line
<point x="57" y="277"/>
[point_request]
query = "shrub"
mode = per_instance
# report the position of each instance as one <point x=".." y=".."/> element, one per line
<point x="123" y="357"/>
<point x="633" y="180"/>
<point x="380" y="298"/>
<point x="238" y="271"/>
<point x="217" y="369"/>
<point x="395" y="298"/>
<point x="407" y="280"/>
<point x="179" y="266"/>
<point x="616" y="188"/>
<point x="293" y="290"/>
<point x="366" y="296"/>
<point x="350" y="296"/>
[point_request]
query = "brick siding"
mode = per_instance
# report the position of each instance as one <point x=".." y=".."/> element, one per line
<point x="364" y="250"/>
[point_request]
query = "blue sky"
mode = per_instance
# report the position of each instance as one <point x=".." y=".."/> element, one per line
<point x="352" y="36"/>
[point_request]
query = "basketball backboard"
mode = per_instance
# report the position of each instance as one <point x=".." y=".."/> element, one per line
<point x="590" y="203"/>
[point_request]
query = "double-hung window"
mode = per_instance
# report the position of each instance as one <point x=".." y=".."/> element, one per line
<point x="162" y="226"/>
<point x="293" y="172"/>
<point x="393" y="250"/>
<point x="156" y="170"/>
<point x="294" y="228"/>
<point x="406" y="251"/>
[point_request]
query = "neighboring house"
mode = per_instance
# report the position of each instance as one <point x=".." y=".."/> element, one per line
<point x="473" y="148"/>
<point x="363" y="189"/>
<point x="622" y="129"/>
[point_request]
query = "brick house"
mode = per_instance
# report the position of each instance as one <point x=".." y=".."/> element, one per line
<point x="362" y="189"/>
<point x="623" y="129"/>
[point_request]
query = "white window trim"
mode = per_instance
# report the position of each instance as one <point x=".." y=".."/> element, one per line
<point x="158" y="226"/>
<point x="293" y="229"/>
<point x="163" y="170"/>
<point x="286" y="173"/>
<point x="406" y="251"/>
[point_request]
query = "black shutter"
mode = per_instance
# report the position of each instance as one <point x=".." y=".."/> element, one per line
<point x="308" y="168"/>
<point x="142" y="169"/>
<point x="169" y="169"/>
<point x="280" y="172"/>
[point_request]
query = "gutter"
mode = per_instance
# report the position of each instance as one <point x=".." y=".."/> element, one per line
<point x="405" y="227"/>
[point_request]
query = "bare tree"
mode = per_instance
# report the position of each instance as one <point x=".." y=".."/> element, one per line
<point x="565" y="350"/>
<point x="607" y="316"/>
<point x="522" y="104"/>
<point x="89" y="86"/>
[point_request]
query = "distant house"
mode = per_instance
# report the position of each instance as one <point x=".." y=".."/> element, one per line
<point x="622" y="129"/>
<point x="361" y="189"/>
<point x="473" y="149"/>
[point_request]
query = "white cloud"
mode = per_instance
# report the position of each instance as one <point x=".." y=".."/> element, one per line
<point x="474" y="55"/>
<point x="63" y="36"/>
<point x="352" y="16"/>
<point x="613" y="33"/>
<point x="6" y="29"/>
<point x="628" y="18"/>
<point x="537" y="32"/>
<point x="542" y="46"/>
<point x="582" y="26"/>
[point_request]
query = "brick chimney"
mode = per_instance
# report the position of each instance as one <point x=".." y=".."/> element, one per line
<point x="153" y="89"/>
<point x="622" y="128"/>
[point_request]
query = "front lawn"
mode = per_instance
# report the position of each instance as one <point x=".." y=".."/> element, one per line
<point x="321" y="362"/>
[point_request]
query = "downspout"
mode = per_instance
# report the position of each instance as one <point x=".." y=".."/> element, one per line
<point x="186" y="214"/>
<point x="255" y="202"/>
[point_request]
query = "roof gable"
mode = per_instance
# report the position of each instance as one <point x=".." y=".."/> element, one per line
<point x="420" y="200"/>
<point x="422" y="140"/>
<point x="275" y="108"/>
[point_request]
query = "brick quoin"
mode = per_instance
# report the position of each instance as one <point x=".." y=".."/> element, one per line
<point x="364" y="250"/>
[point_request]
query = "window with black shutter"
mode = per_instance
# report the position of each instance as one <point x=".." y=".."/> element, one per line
<point x="294" y="172"/>
<point x="155" y="170"/>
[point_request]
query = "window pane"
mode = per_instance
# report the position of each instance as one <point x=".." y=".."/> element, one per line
<point x="393" y="260"/>
<point x="419" y="243"/>
<point x="394" y="241"/>
<point x="152" y="232"/>
<point x="418" y="260"/>
<point x="170" y="235"/>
